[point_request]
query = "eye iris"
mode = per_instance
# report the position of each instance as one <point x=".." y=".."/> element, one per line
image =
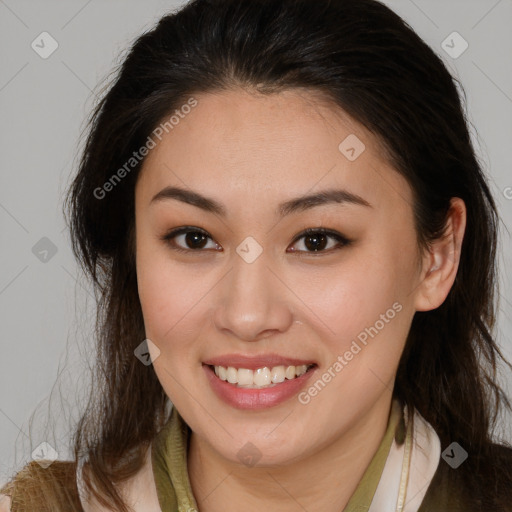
<point x="319" y="241"/>
<point x="192" y="237"/>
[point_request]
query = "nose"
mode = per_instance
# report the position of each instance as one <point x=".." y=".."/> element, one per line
<point x="253" y="301"/>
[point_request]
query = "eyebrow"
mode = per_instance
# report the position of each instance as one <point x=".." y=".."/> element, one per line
<point x="296" y="205"/>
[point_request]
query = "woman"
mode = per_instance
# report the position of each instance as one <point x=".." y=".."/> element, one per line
<point x="295" y="246"/>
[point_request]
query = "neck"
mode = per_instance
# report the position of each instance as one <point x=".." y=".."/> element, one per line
<point x="323" y="481"/>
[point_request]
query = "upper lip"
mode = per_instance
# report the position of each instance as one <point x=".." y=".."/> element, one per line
<point x="255" y="361"/>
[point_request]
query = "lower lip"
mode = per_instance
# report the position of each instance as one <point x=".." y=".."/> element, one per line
<point x="250" y="398"/>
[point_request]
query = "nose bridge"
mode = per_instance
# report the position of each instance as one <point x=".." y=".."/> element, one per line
<point x="250" y="274"/>
<point x="253" y="300"/>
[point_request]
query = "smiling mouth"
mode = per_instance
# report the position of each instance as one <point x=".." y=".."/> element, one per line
<point x="260" y="378"/>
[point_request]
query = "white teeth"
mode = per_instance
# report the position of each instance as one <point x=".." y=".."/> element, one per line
<point x="261" y="377"/>
<point x="232" y="375"/>
<point x="245" y="377"/>
<point x="277" y="374"/>
<point x="300" y="370"/>
<point x="290" y="372"/>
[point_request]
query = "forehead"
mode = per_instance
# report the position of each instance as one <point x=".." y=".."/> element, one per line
<point x="269" y="147"/>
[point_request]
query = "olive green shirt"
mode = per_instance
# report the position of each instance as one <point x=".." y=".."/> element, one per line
<point x="169" y="458"/>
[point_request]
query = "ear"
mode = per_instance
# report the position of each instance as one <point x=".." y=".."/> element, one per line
<point x="441" y="262"/>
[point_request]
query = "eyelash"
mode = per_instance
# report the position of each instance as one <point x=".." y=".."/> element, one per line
<point x="342" y="241"/>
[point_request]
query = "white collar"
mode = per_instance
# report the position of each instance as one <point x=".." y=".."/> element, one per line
<point x="408" y="473"/>
<point x="421" y="465"/>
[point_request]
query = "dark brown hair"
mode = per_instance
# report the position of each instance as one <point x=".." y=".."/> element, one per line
<point x="366" y="60"/>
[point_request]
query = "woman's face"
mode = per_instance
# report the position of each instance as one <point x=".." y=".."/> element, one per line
<point x="253" y="292"/>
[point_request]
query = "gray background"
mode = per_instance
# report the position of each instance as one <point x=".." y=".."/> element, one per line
<point x="46" y="308"/>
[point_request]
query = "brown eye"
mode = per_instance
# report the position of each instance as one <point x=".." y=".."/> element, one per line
<point x="316" y="240"/>
<point x="187" y="239"/>
<point x="194" y="239"/>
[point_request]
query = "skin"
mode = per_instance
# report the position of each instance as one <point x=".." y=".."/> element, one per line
<point x="251" y="152"/>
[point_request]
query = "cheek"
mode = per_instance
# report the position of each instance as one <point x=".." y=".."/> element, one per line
<point x="174" y="295"/>
<point x="162" y="290"/>
<point x="346" y="298"/>
<point x="363" y="313"/>
<point x="167" y="301"/>
<point x="167" y="297"/>
<point x="364" y="327"/>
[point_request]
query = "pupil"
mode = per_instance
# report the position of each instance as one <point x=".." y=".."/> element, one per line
<point x="318" y="239"/>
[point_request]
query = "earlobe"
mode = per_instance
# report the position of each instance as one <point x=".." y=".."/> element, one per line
<point x="442" y="261"/>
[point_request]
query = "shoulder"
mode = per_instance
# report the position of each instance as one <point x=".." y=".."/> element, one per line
<point x="36" y="487"/>
<point x="481" y="483"/>
<point x="54" y="489"/>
